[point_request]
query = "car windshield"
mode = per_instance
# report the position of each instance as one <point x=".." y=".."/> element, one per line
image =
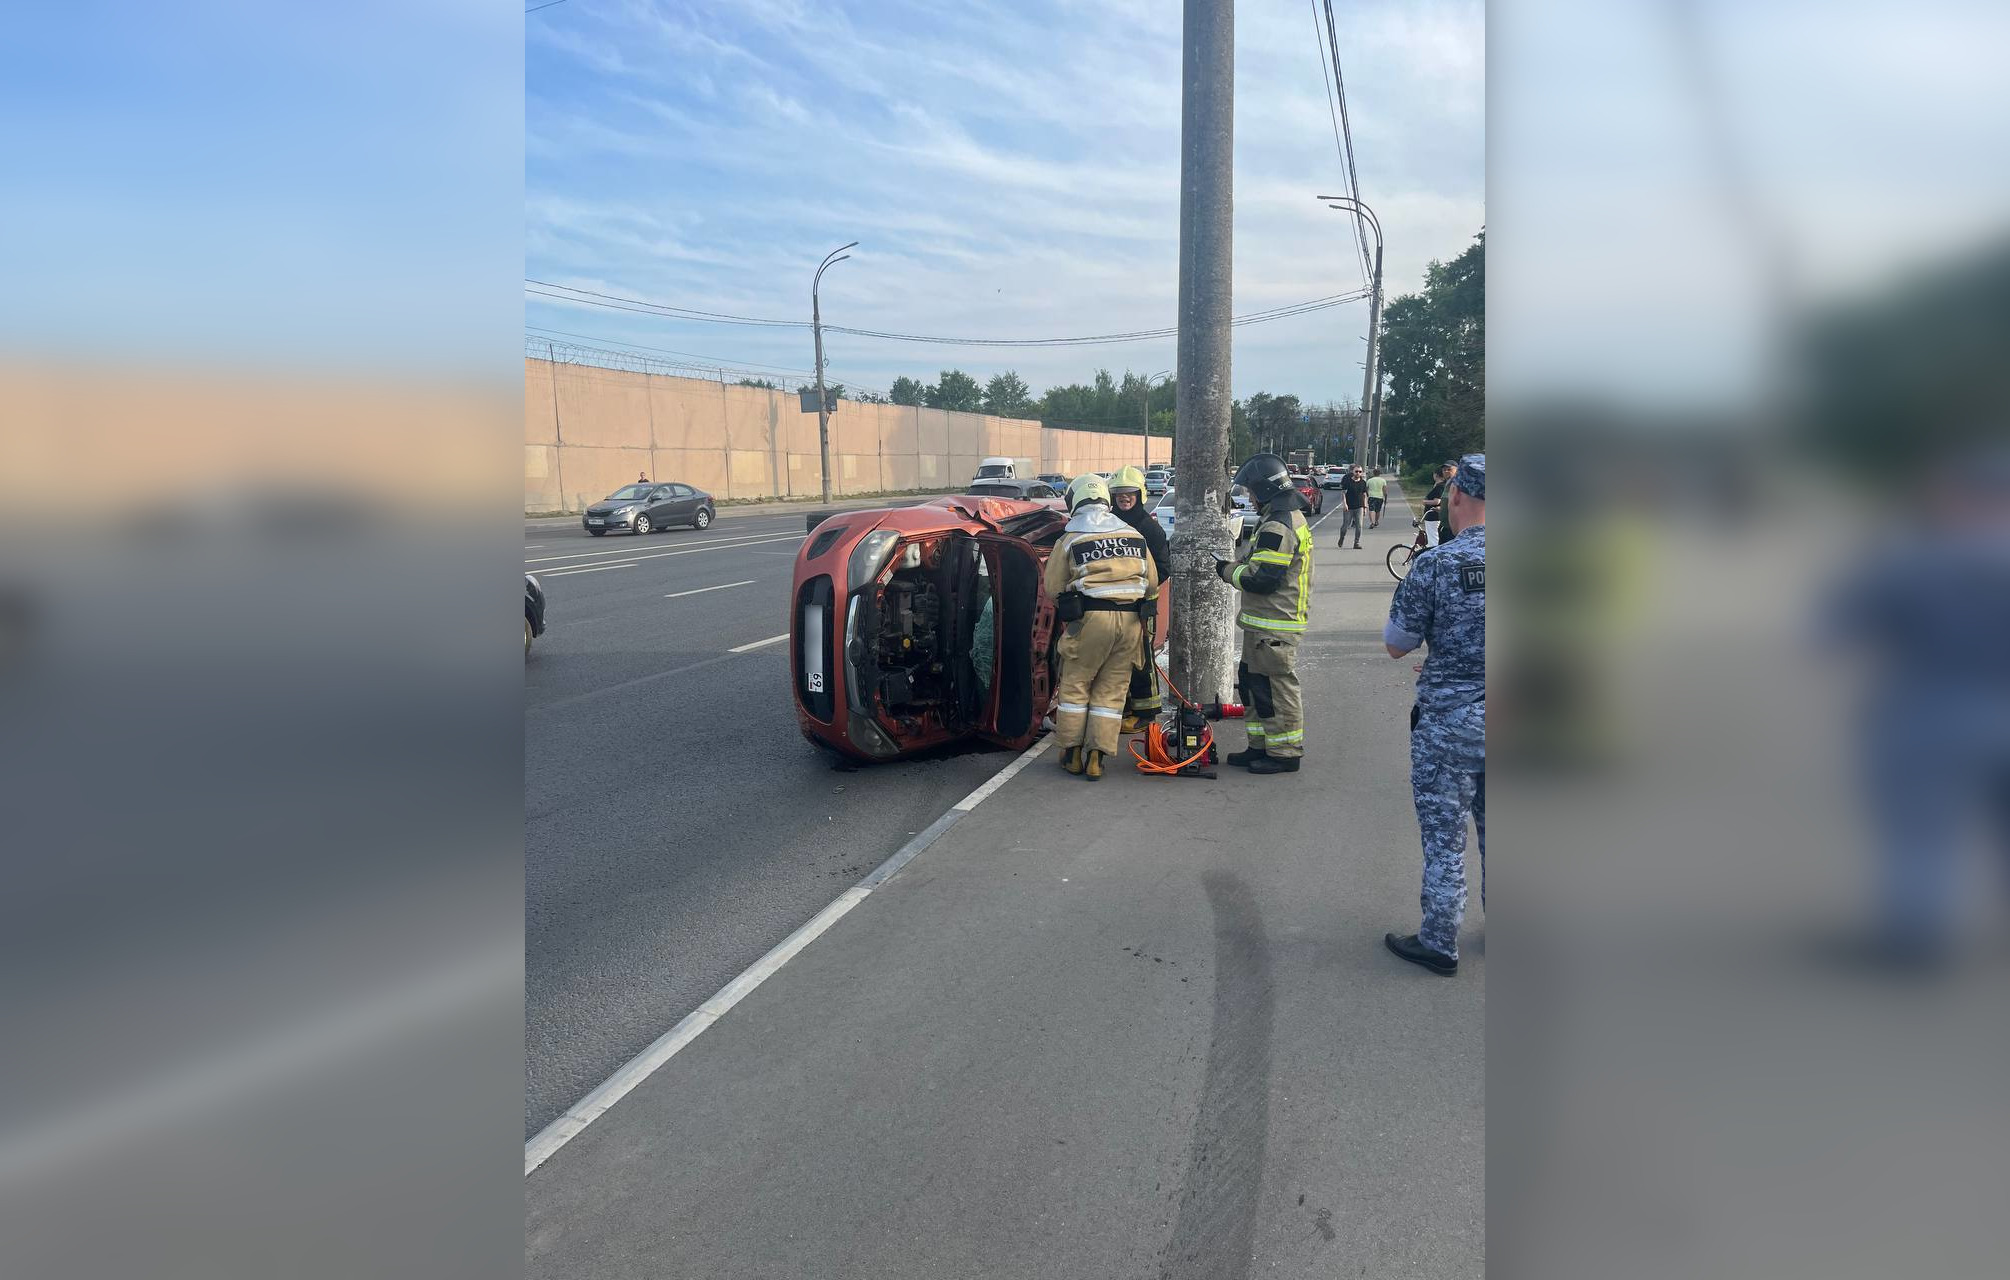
<point x="1165" y="501"/>
<point x="628" y="491"/>
<point x="994" y="469"/>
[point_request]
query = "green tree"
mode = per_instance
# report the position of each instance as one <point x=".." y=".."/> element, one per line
<point x="1434" y="356"/>
<point x="907" y="391"/>
<point x="1008" y="396"/>
<point x="1072" y="405"/>
<point x="956" y="390"/>
<point x="763" y="383"/>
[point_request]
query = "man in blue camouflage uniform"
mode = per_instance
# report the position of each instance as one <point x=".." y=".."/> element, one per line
<point x="1443" y="604"/>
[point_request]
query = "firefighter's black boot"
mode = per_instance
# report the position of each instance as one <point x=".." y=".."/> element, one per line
<point x="1274" y="764"/>
<point x="1071" y="760"/>
<point x="1241" y="759"/>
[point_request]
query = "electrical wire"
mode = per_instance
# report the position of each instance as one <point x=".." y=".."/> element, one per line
<point x="616" y="302"/>
<point x="1347" y="137"/>
<point x="1326" y="78"/>
<point x="719" y="361"/>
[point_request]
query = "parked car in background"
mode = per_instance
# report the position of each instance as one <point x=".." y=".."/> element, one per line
<point x="1053" y="480"/>
<point x="1162" y="511"/>
<point x="914" y="627"/>
<point x="1156" y="482"/>
<point x="1025" y="490"/>
<point x="1333" y="478"/>
<point x="647" y="507"/>
<point x="533" y="611"/>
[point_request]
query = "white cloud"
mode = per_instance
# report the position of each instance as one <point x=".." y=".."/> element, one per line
<point x="1011" y="170"/>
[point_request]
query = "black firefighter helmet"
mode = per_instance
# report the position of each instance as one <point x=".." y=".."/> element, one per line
<point x="1265" y="477"/>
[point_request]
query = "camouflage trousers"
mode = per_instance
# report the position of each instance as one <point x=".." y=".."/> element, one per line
<point x="1448" y="783"/>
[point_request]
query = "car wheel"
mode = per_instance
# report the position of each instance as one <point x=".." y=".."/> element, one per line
<point x="703" y="519"/>
<point x="526" y="637"/>
<point x="642" y="526"/>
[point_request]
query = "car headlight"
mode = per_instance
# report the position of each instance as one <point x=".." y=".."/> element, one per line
<point x="869" y="557"/>
<point x="624" y="511"/>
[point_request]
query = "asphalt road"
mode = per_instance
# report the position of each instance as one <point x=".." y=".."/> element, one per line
<point x="1144" y="1027"/>
<point x="676" y="823"/>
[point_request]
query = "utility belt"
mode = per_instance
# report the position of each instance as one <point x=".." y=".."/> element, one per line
<point x="1073" y="604"/>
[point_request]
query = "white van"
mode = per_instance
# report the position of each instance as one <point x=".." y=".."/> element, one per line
<point x="996" y="469"/>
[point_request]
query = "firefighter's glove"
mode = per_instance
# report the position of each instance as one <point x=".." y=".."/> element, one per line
<point x="1223" y="569"/>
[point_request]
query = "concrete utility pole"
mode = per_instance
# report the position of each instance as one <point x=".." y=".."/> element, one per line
<point x="817" y="327"/>
<point x="1203" y="631"/>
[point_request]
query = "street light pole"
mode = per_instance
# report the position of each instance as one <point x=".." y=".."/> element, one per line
<point x="1371" y="384"/>
<point x="1145" y="414"/>
<point x="817" y="327"/>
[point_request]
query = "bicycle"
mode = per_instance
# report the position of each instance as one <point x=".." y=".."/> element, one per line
<point x="1403" y="554"/>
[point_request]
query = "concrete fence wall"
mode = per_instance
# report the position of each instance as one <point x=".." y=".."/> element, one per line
<point x="588" y="431"/>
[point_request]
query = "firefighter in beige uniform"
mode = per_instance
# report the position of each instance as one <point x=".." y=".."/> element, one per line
<point x="1100" y="575"/>
<point x="1276" y="585"/>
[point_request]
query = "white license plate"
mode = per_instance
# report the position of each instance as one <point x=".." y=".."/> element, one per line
<point x="595" y="520"/>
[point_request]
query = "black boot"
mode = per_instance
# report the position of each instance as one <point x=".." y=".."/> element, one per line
<point x="1274" y="764"/>
<point x="1241" y="759"/>
<point x="1417" y="953"/>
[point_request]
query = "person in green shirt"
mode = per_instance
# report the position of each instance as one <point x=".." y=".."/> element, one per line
<point x="1378" y="489"/>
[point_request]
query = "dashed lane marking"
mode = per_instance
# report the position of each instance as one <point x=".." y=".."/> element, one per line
<point x="699" y="591"/>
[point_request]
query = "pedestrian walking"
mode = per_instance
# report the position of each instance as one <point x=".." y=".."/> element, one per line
<point x="1099" y="574"/>
<point x="1443" y="604"/>
<point x="1378" y="491"/>
<point x="1354" y="492"/>
<point x="1276" y="585"/>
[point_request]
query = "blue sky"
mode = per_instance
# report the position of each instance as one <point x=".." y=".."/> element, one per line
<point x="1011" y="170"/>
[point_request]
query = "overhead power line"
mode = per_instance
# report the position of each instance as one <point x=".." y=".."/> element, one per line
<point x="1352" y="176"/>
<point x="616" y="302"/>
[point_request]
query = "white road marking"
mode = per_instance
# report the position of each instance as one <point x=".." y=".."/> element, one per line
<point x="743" y="540"/>
<point x="694" y="1024"/>
<point x="535" y="546"/>
<point x="574" y="570"/>
<point x="761" y="644"/>
<point x="699" y="591"/>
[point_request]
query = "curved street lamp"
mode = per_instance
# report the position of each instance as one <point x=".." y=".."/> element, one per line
<point x="1145" y="413"/>
<point x="1371" y="386"/>
<point x="831" y="259"/>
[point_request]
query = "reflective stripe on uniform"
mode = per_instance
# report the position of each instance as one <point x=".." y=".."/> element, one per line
<point x="1275" y="624"/>
<point x="1304" y="574"/>
<point x="1296" y="735"/>
<point x="1066" y="708"/>
<point x="1255" y="728"/>
<point x="1269" y="557"/>
<point x="1114" y="713"/>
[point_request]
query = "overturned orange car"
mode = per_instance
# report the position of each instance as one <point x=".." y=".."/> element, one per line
<point x="916" y="627"/>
